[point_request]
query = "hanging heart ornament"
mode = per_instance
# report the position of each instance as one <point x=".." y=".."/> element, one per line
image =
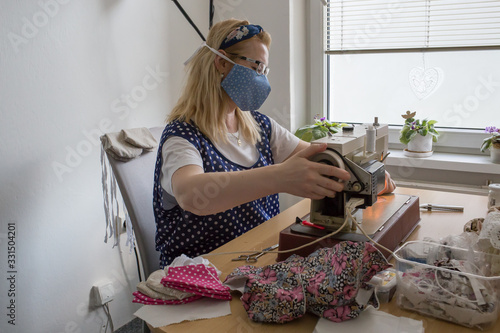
<point x="424" y="82"/>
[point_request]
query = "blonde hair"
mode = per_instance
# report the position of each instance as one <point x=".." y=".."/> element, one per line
<point x="203" y="101"/>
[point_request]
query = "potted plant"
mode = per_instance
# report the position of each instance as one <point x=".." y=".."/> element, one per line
<point x="418" y="135"/>
<point x="492" y="143"/>
<point x="318" y="130"/>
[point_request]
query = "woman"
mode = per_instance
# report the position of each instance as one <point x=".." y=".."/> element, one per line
<point x="220" y="163"/>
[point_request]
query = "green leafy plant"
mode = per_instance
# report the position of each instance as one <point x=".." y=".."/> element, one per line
<point x="493" y="140"/>
<point x="318" y="130"/>
<point x="413" y="126"/>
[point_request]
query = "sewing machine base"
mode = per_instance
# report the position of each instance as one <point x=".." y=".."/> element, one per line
<point x="389" y="222"/>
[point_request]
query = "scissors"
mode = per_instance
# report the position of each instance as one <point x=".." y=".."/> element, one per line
<point x="255" y="256"/>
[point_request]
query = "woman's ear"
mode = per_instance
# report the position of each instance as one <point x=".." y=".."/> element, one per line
<point x="222" y="65"/>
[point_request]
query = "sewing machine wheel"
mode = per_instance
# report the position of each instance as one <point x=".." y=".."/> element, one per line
<point x="329" y="206"/>
<point x="331" y="158"/>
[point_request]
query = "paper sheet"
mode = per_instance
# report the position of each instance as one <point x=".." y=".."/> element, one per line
<point x="162" y="315"/>
<point x="371" y="320"/>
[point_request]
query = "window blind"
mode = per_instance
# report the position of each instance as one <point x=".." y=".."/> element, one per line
<point x="358" y="26"/>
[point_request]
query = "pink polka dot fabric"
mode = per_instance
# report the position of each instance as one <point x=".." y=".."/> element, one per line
<point x="199" y="279"/>
<point x="196" y="280"/>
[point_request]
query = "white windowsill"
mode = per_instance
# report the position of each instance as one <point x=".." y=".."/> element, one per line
<point x="445" y="161"/>
<point x="453" y="162"/>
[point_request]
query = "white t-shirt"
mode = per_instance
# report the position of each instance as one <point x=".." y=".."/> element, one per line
<point x="178" y="152"/>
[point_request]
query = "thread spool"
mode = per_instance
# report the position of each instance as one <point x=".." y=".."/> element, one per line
<point x="370" y="139"/>
<point x="494" y="195"/>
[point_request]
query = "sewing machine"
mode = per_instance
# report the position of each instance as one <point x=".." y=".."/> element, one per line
<point x="387" y="219"/>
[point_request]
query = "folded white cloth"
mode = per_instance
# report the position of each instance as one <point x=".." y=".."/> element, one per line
<point x="143" y="288"/>
<point x="115" y="145"/>
<point x="204" y="308"/>
<point x="139" y="137"/>
<point x="371" y="320"/>
<point x="128" y="143"/>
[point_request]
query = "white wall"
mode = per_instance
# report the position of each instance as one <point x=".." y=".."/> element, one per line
<point x="68" y="73"/>
<point x="63" y="72"/>
<point x="299" y="47"/>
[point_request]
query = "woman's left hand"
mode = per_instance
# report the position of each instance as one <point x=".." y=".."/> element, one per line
<point x="390" y="185"/>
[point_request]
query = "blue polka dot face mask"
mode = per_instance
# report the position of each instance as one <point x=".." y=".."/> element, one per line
<point x="245" y="87"/>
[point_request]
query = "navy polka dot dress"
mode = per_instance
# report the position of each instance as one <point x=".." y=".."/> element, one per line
<point x="182" y="232"/>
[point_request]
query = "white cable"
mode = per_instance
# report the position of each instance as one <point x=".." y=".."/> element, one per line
<point x="352" y="204"/>
<point x="110" y="320"/>
<point x="107" y="322"/>
<point x="369" y="238"/>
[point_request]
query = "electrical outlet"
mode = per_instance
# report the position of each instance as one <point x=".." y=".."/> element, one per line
<point x="103" y="293"/>
<point x="120" y="224"/>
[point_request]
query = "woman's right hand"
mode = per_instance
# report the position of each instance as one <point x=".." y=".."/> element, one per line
<point x="301" y="177"/>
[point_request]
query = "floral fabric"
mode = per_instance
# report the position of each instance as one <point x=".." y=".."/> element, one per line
<point x="325" y="283"/>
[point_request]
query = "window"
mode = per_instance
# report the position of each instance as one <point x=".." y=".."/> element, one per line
<point x="438" y="58"/>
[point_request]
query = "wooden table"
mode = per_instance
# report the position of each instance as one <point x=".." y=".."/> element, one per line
<point x="433" y="224"/>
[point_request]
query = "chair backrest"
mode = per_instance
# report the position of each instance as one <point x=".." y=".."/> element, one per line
<point x="135" y="180"/>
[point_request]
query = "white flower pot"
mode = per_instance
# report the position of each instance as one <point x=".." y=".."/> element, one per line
<point x="420" y="144"/>
<point x="495" y="155"/>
